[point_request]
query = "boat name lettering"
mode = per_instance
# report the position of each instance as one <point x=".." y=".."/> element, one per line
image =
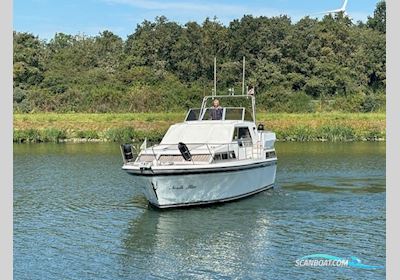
<point x="181" y="187"/>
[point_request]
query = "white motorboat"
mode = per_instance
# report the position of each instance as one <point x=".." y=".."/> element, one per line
<point x="216" y="155"/>
<point x="201" y="161"/>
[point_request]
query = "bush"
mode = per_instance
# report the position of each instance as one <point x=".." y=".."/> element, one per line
<point x="37" y="136"/>
<point x="21" y="103"/>
<point x="300" y="103"/>
<point x="374" y="134"/>
<point x="122" y="135"/>
<point x="279" y="99"/>
<point x="374" y="103"/>
<point x="53" y="135"/>
<point x="303" y="133"/>
<point x="23" y="107"/>
<point x="29" y="135"/>
<point x="336" y="133"/>
<point x="19" y="136"/>
<point x="42" y="100"/>
<point x="352" y="103"/>
<point x="19" y="95"/>
<point x="154" y="136"/>
<point x="87" y="134"/>
<point x="296" y="133"/>
<point x="275" y="100"/>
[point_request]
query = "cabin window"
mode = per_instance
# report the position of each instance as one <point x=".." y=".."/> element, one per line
<point x="248" y="116"/>
<point x="225" y="156"/>
<point x="270" y="155"/>
<point x="242" y="133"/>
<point x="193" y="115"/>
<point x="243" y="136"/>
<point x="234" y="114"/>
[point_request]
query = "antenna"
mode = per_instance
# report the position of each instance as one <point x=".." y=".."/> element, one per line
<point x="244" y="73"/>
<point x="215" y="76"/>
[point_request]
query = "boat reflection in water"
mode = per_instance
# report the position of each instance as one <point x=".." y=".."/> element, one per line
<point x="192" y="242"/>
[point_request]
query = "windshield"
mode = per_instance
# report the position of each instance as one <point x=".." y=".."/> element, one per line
<point x="214" y="114"/>
<point x="193" y="115"/>
<point x="234" y="114"/>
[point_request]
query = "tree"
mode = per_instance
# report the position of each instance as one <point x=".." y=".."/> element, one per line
<point x="164" y="65"/>
<point x="28" y="60"/>
<point x="152" y="44"/>
<point x="187" y="54"/>
<point x="378" y="21"/>
<point x="109" y="49"/>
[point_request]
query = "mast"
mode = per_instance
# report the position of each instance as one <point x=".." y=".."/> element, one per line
<point x="244" y="73"/>
<point x="215" y="76"/>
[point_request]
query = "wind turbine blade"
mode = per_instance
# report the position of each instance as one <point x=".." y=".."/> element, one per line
<point x="327" y="12"/>
<point x="344" y="5"/>
<point x="333" y="12"/>
<point x="315" y="14"/>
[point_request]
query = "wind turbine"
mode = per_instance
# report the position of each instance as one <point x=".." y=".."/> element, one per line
<point x="337" y="11"/>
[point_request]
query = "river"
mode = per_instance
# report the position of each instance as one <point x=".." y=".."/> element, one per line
<point x="77" y="215"/>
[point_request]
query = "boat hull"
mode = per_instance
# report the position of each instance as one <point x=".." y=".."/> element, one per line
<point x="198" y="188"/>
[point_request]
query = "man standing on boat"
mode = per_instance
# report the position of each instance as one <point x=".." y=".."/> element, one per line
<point x="216" y="111"/>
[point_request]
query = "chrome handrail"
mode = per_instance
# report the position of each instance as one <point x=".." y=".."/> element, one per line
<point x="210" y="149"/>
<point x="154" y="154"/>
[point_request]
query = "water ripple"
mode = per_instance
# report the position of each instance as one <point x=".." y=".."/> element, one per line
<point x="78" y="216"/>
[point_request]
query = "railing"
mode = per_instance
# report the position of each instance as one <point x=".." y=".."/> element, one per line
<point x="242" y="149"/>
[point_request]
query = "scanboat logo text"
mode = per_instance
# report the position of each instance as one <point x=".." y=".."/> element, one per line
<point x="328" y="260"/>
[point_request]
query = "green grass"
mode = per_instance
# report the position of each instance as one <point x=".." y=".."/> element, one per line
<point x="36" y="136"/>
<point x="52" y="127"/>
<point x="91" y="117"/>
<point x="87" y="134"/>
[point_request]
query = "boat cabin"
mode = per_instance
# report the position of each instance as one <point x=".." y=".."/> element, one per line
<point x="205" y="140"/>
<point x="209" y="132"/>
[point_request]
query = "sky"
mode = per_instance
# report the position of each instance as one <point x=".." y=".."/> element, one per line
<point x="47" y="17"/>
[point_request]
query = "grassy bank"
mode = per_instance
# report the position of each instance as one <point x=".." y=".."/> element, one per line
<point x="51" y="127"/>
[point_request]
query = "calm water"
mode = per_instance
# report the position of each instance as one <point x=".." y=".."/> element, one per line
<point x="78" y="216"/>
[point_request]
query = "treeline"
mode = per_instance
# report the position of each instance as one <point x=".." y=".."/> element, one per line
<point x="328" y="64"/>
